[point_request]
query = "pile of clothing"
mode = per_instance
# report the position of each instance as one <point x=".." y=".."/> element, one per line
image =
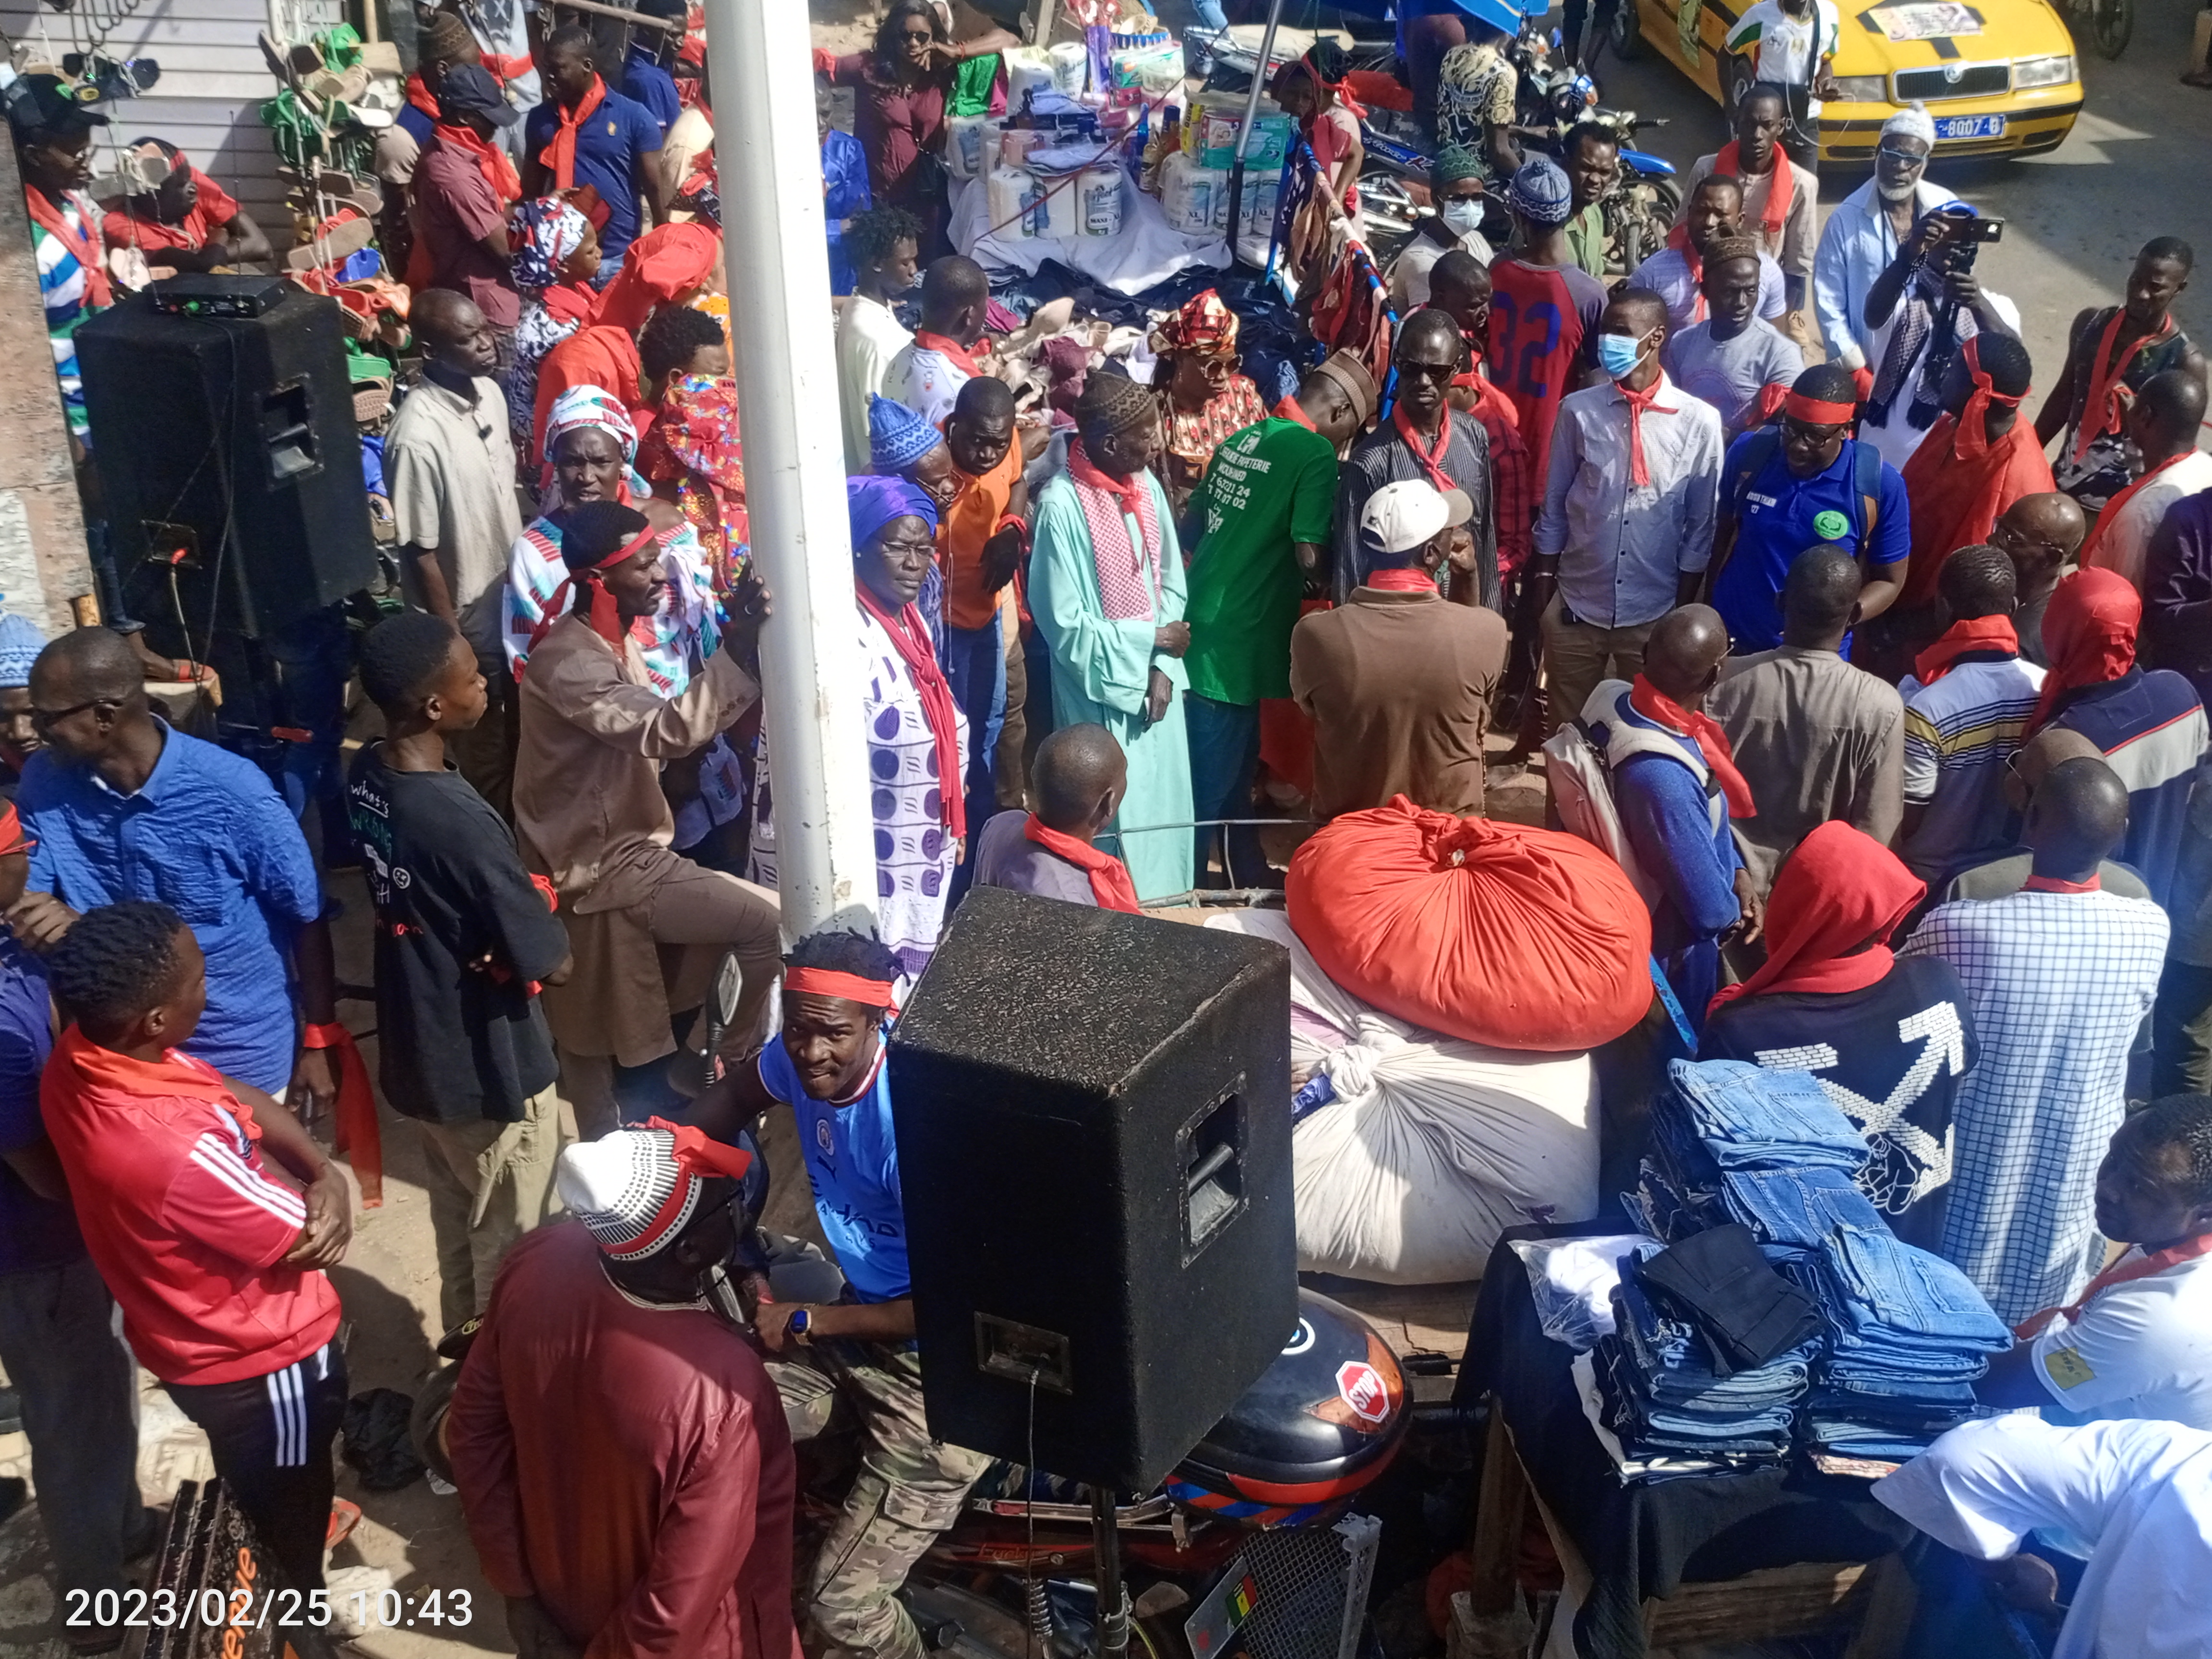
<point x="1750" y="1160"/>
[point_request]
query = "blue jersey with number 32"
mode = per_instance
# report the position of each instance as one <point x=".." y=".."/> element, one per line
<point x="1543" y="333"/>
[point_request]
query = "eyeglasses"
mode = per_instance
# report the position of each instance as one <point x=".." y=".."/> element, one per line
<point x="1891" y="152"/>
<point x="43" y="718"/>
<point x="903" y="549"/>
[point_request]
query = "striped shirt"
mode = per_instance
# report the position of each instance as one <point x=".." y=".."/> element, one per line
<point x="1958" y="733"/>
<point x="2152" y="730"/>
<point x="2056" y="985"/>
<point x="62" y="291"/>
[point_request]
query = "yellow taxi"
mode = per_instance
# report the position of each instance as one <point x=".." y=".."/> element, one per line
<point x="1998" y="77"/>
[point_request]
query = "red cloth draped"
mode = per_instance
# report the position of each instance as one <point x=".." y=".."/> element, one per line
<point x="1975" y="634"/>
<point x="1111" y="884"/>
<point x="1639" y="470"/>
<point x="2089" y="634"/>
<point x="83" y="244"/>
<point x="2106" y="405"/>
<point x="1839" y="889"/>
<point x="359" y="1138"/>
<point x="950" y="350"/>
<point x="1779" y="193"/>
<point x="666" y="261"/>
<point x="1973" y="420"/>
<point x="2086" y="558"/>
<point x="1648" y="700"/>
<point x="603" y="357"/>
<point x="1958" y="495"/>
<point x="909" y="637"/>
<point x="1431" y="461"/>
<point x="491" y="161"/>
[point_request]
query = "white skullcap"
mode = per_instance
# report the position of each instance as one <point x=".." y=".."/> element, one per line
<point x="636" y="1189"/>
<point x="1913" y="122"/>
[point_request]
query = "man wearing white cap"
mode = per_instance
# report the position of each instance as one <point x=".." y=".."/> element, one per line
<point x="1397" y="680"/>
<point x="1863" y="234"/>
<point x="621" y="1453"/>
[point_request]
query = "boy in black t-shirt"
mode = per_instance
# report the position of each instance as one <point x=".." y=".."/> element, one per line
<point x="463" y="937"/>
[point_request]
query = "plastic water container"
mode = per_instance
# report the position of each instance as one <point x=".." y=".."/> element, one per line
<point x="1098" y="201"/>
<point x="1187" y="192"/>
<point x="970" y="145"/>
<point x="1028" y="69"/>
<point x="1071" y="67"/>
<point x="1017" y="204"/>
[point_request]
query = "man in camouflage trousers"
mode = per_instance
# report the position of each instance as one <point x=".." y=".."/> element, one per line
<point x="827" y="1066"/>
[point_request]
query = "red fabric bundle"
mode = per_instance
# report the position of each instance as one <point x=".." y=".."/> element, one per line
<point x="1516" y="937"/>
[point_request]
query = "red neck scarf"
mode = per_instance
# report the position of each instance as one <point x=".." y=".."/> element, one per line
<point x="1973" y="423"/>
<point x="950" y="350"/>
<point x="568" y="302"/>
<point x="560" y="154"/>
<point x="1975" y="634"/>
<point x="175" y="1074"/>
<point x="2087" y="555"/>
<point x="2054" y="884"/>
<point x="2089" y="634"/>
<point x="1111" y="884"/>
<point x="1839" y="889"/>
<point x="2106" y="405"/>
<point x="83" y="245"/>
<point x="1679" y="240"/>
<point x="1409" y="580"/>
<point x="1129" y="491"/>
<point x="1289" y="409"/>
<point x="909" y="637"/>
<point x="2149" y="1262"/>
<point x="605" y="616"/>
<point x="1639" y="470"/>
<point x="491" y="161"/>
<point x="419" y="95"/>
<point x="1648" y="700"/>
<point x="1781" y="187"/>
<point x="1431" y="460"/>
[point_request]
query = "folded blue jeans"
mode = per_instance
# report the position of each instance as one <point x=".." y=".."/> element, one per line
<point x="1751" y="1118"/>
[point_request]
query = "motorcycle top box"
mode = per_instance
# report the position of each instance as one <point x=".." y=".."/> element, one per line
<point x="1322" y="1421"/>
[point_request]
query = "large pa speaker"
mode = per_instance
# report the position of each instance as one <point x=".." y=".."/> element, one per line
<point x="229" y="459"/>
<point x="1093" y="1136"/>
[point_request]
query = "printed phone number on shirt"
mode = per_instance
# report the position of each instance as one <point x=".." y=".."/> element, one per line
<point x="243" y="1609"/>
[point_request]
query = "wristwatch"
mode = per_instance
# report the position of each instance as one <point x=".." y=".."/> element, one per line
<point x="801" y="1324"/>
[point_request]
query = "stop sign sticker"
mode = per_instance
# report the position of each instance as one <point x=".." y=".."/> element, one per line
<point x="1360" y="1386"/>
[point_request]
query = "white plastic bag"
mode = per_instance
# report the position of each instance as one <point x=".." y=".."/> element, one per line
<point x="1433" y="1146"/>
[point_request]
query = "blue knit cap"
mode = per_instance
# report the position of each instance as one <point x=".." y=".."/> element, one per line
<point x="20" y="645"/>
<point x="1540" y="192"/>
<point x="897" y="437"/>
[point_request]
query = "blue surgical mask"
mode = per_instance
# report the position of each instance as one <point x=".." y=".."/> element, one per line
<point x="1618" y="354"/>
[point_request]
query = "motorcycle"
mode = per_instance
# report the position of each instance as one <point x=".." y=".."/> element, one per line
<point x="1255" y="1527"/>
<point x="1553" y="99"/>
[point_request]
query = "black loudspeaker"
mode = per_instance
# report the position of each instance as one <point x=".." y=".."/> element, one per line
<point x="229" y="459"/>
<point x="1094" y="1137"/>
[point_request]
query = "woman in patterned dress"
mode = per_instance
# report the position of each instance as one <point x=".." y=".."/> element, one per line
<point x="1203" y="397"/>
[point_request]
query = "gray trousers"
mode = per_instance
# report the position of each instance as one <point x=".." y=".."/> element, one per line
<point x="79" y="1392"/>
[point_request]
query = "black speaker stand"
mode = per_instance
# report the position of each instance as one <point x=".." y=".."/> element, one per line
<point x="1113" y="1600"/>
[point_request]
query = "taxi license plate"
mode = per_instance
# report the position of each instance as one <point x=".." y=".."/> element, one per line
<point x="1969" y="126"/>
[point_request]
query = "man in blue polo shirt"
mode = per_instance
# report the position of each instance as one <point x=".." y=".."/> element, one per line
<point x="645" y="77"/>
<point x="123" y="807"/>
<point x="827" y="1066"/>
<point x="1786" y="488"/>
<point x="586" y="133"/>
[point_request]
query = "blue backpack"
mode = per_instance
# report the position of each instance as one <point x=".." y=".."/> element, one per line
<point x="1865" y="473"/>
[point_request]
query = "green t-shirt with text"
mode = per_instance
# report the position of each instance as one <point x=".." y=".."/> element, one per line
<point x="1267" y="487"/>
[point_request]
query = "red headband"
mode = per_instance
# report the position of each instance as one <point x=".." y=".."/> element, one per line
<point x="1973" y="437"/>
<point x="829" y="982"/>
<point x="1813" y="411"/>
<point x="605" y="616"/>
<point x="696" y="1154"/>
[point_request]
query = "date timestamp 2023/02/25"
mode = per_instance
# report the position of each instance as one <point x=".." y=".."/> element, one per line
<point x="136" y="1609"/>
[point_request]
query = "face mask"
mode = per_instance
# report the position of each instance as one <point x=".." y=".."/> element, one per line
<point x="1618" y="355"/>
<point x="1463" y="216"/>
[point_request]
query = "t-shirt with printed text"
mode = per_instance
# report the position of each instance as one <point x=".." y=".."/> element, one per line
<point x="1269" y="486"/>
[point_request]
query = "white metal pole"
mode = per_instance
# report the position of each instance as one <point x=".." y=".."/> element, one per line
<point x="768" y="163"/>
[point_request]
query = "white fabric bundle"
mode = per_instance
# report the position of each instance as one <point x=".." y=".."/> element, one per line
<point x="1433" y="1146"/>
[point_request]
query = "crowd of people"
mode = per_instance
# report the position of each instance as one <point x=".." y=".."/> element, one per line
<point x="1897" y="689"/>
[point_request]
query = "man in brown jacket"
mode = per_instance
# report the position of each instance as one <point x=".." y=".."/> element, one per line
<point x="1397" y="679"/>
<point x="589" y="812"/>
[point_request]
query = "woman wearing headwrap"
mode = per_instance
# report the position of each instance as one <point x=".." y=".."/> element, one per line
<point x="1311" y="91"/>
<point x="1107" y="589"/>
<point x="1888" y="1039"/>
<point x="693" y="455"/>
<point x="589" y="446"/>
<point x="592" y="813"/>
<point x="669" y="265"/>
<point x="916" y="733"/>
<point x="2148" y="724"/>
<point x="557" y="254"/>
<point x="1455" y="189"/>
<point x="1203" y="397"/>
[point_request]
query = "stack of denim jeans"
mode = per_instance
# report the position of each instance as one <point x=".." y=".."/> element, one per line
<point x="1907" y="1336"/>
<point x="1666" y="1396"/>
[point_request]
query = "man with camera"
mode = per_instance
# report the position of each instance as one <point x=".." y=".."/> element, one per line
<point x="1921" y="310"/>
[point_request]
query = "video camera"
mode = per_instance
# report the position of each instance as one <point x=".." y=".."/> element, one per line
<point x="1963" y="232"/>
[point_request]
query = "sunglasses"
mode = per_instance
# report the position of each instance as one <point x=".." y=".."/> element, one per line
<point x="43" y="718"/>
<point x="1891" y="152"/>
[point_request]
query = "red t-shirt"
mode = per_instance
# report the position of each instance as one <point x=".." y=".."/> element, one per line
<point x="185" y="1226"/>
<point x="213" y="207"/>
<point x="1543" y="325"/>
